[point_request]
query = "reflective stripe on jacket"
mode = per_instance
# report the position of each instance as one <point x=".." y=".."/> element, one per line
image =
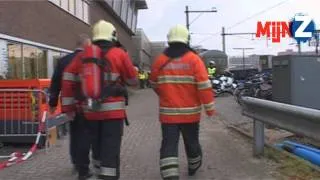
<point x="122" y="71"/>
<point x="183" y="87"/>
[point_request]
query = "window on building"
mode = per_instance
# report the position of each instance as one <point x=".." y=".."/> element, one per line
<point x="63" y="54"/>
<point x="34" y="62"/>
<point x="78" y="8"/>
<point x="86" y="12"/>
<point x="14" y="61"/>
<point x="124" y="11"/>
<point x="134" y="21"/>
<point x="110" y="2"/>
<point x="56" y="2"/>
<point x="117" y="6"/>
<point x="64" y="4"/>
<point x="129" y="16"/>
<point x="56" y="57"/>
<point x="3" y="59"/>
<point x="72" y="6"/>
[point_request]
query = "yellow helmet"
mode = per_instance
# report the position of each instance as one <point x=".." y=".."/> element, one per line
<point x="178" y="33"/>
<point x="103" y="30"/>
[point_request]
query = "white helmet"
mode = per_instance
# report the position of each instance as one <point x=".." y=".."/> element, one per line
<point x="178" y="33"/>
<point x="103" y="30"/>
<point x="212" y="63"/>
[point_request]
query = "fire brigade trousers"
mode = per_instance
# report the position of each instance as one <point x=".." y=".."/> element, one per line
<point x="78" y="128"/>
<point x="75" y="129"/>
<point x="169" y="162"/>
<point x="105" y="138"/>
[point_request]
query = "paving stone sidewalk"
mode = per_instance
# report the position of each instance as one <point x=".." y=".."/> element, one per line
<point x="227" y="156"/>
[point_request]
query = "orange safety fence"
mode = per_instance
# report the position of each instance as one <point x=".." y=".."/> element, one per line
<point x="24" y="117"/>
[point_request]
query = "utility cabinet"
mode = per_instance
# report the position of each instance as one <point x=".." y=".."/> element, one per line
<point x="296" y="80"/>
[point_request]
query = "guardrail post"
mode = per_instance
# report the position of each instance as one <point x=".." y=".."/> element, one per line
<point x="258" y="134"/>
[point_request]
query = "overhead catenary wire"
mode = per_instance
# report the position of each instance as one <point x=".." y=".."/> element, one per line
<point x="196" y="18"/>
<point x="246" y="19"/>
<point x="258" y="13"/>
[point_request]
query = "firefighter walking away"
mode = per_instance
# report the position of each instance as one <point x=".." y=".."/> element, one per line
<point x="180" y="79"/>
<point x="100" y="72"/>
<point x="55" y="88"/>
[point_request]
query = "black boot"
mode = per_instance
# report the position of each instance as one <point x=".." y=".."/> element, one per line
<point x="74" y="170"/>
<point x="172" y="178"/>
<point x="84" y="173"/>
<point x="192" y="172"/>
<point x="85" y="177"/>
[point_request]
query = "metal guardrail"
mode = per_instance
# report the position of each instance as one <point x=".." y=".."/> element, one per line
<point x="296" y="119"/>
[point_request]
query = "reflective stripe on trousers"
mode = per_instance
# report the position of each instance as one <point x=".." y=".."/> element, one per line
<point x="169" y="167"/>
<point x="96" y="166"/>
<point x="106" y="171"/>
<point x="194" y="163"/>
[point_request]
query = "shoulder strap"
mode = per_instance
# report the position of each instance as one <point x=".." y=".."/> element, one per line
<point x="166" y="63"/>
<point x="107" y="63"/>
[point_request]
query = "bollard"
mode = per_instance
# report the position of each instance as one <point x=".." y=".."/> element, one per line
<point x="258" y="135"/>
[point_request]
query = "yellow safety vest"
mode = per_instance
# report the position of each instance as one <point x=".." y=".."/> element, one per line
<point x="211" y="71"/>
<point x="141" y="76"/>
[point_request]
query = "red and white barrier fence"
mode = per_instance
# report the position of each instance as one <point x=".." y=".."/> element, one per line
<point x="17" y="157"/>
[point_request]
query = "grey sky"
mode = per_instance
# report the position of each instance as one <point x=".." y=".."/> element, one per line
<point x="162" y="14"/>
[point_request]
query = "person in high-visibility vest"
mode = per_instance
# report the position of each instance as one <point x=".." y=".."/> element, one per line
<point x="212" y="69"/>
<point x="142" y="78"/>
<point x="179" y="78"/>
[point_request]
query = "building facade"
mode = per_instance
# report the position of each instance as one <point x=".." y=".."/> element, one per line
<point x="145" y="50"/>
<point x="259" y="62"/>
<point x="142" y="56"/>
<point x="35" y="34"/>
<point x="157" y="47"/>
<point x="292" y="52"/>
<point x="249" y="62"/>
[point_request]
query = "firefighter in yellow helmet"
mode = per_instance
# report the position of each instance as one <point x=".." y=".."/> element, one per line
<point x="104" y="126"/>
<point x="180" y="80"/>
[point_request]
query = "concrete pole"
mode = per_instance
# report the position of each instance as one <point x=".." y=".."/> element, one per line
<point x="223" y="40"/>
<point x="258" y="147"/>
<point x="187" y="22"/>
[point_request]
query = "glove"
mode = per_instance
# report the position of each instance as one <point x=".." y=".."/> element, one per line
<point x="70" y="115"/>
<point x="210" y="118"/>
